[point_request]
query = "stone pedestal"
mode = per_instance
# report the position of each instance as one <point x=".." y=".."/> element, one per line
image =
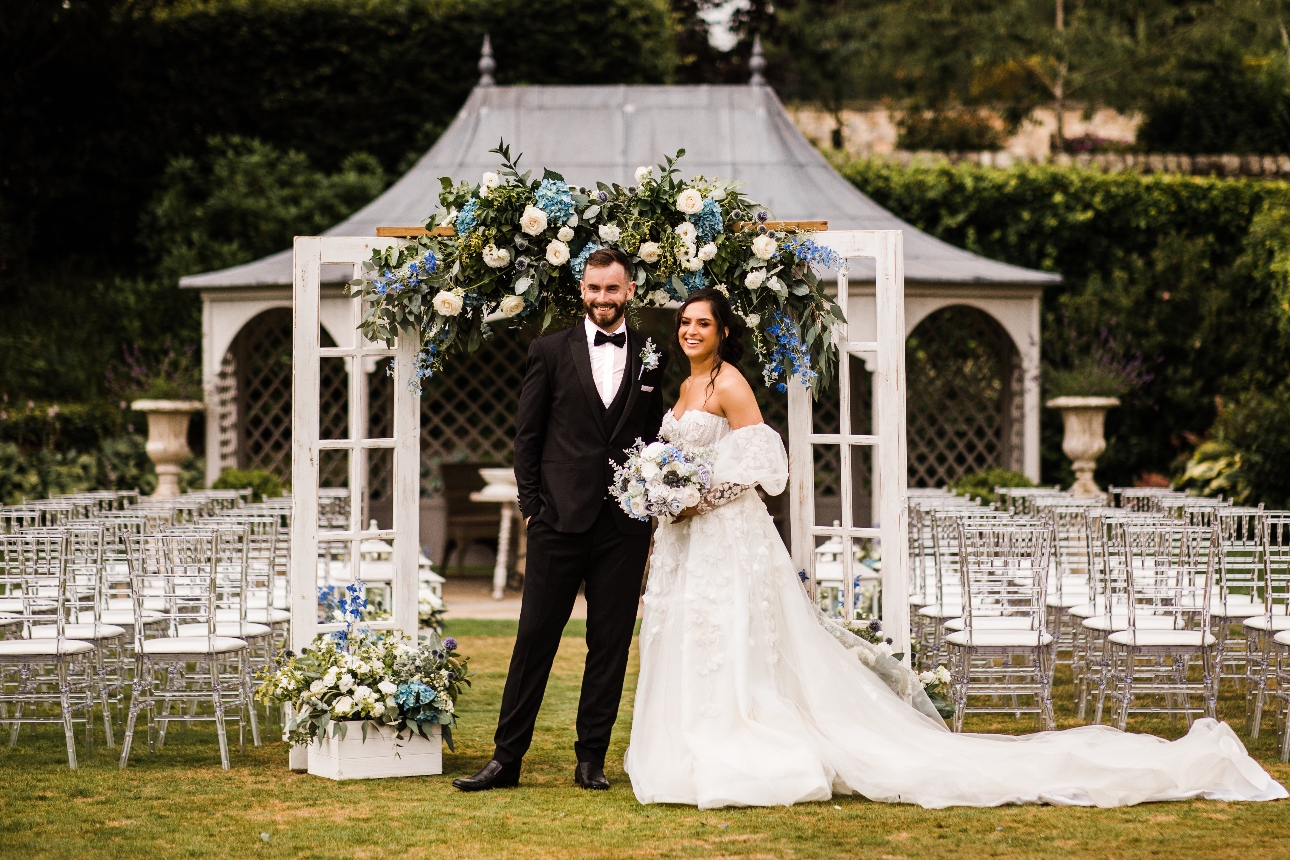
<point x="1085" y="440"/>
<point x="168" y="438"/>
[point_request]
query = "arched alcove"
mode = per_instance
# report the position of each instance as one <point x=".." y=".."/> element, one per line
<point x="965" y="408"/>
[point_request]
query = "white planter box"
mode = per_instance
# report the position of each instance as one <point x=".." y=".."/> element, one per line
<point x="381" y="755"/>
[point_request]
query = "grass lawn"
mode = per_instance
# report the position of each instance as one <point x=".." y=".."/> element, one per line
<point x="180" y="804"/>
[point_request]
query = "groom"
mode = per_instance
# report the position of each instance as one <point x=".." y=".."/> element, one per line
<point x="587" y="396"/>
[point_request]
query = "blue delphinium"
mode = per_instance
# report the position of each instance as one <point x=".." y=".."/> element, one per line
<point x="466" y="218"/>
<point x="788" y="357"/>
<point x="555" y="199"/>
<point x="422" y="367"/>
<point x="694" y="281"/>
<point x="579" y="263"/>
<point x="412" y="275"/>
<point x="811" y="252"/>
<point x="707" y="221"/>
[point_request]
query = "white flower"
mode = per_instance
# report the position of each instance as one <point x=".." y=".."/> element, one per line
<point x="346" y="682"/>
<point x="488" y="183"/>
<point x="942" y="675"/>
<point x="363" y="693"/>
<point x="643" y="173"/>
<point x="648" y="252"/>
<point x="609" y="233"/>
<point x="764" y="247"/>
<point x="690" y="201"/>
<point x="361" y="668"/>
<point x="884" y="649"/>
<point x="708" y="251"/>
<point x="343" y="706"/>
<point x="686" y="231"/>
<point x="511" y="305"/>
<point x="653" y="451"/>
<point x="378" y="709"/>
<point x="755" y="279"/>
<point x="532" y="220"/>
<point x="447" y="304"/>
<point x="639" y="506"/>
<point x="317" y="686"/>
<point x="495" y="257"/>
<point x="694" y="264"/>
<point x="329" y="679"/>
<point x="649" y="470"/>
<point x="659" y="297"/>
<point x="690" y="496"/>
<point x="390" y="702"/>
<point x="565" y="234"/>
<point x="388" y="687"/>
<point x="557" y="253"/>
<point x="752" y="320"/>
<point x="926" y="678"/>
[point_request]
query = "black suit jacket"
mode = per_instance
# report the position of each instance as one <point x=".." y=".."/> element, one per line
<point x="563" y="439"/>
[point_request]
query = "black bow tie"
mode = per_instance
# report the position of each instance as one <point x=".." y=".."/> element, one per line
<point x="619" y="339"/>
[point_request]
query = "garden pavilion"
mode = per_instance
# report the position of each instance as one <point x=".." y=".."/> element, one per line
<point x="973" y="323"/>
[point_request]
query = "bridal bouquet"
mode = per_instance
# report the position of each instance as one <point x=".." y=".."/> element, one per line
<point x="356" y="674"/>
<point x="660" y="480"/>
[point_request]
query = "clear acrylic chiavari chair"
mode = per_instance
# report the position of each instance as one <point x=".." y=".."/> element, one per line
<point x="1261" y="630"/>
<point x="1237" y="592"/>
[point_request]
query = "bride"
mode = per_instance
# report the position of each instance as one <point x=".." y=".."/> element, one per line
<point x="748" y="697"/>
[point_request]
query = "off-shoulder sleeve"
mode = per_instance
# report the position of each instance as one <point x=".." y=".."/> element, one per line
<point x="752" y="455"/>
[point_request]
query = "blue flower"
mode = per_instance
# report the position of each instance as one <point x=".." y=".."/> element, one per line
<point x="788" y="357"/>
<point x="413" y="695"/>
<point x="450" y="644"/>
<point x="579" y="263"/>
<point x="554" y="198"/>
<point x="466" y="218"/>
<point x="811" y="252"/>
<point x="707" y="221"/>
<point x="694" y="281"/>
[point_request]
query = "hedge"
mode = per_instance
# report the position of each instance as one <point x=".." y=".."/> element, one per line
<point x="1190" y="271"/>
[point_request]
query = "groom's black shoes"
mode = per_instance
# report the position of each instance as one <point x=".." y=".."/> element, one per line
<point x="591" y="775"/>
<point x="494" y="775"/>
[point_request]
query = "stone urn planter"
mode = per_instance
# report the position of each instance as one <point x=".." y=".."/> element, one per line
<point x="1085" y="440"/>
<point x="168" y="438"/>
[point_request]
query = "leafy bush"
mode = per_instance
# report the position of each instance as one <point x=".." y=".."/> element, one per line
<point x="948" y="131"/>
<point x="980" y="485"/>
<point x="1248" y="458"/>
<point x="1193" y="271"/>
<point x="117" y="463"/>
<point x="263" y="484"/>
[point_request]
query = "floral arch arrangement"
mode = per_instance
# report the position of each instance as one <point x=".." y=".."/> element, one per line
<point x="515" y="247"/>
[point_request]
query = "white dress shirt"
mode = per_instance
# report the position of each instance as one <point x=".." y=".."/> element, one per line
<point x="607" y="361"/>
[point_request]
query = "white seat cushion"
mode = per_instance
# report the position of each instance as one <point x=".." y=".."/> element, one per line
<point x="1121" y="622"/>
<point x="1084" y="610"/>
<point x="78" y="631"/>
<point x="1236" y="609"/>
<point x="227" y="628"/>
<point x="1068" y="600"/>
<point x="192" y="645"/>
<point x="1162" y="638"/>
<point x="1282" y="638"/>
<point x="1279" y="622"/>
<point x="42" y="647"/>
<point x="991" y="622"/>
<point x="941" y="610"/>
<point x="976" y="638"/>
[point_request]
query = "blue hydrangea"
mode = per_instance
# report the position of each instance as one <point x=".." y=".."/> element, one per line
<point x="467" y="217"/>
<point x="579" y="263"/>
<point x="788" y="356"/>
<point x="694" y="281"/>
<point x="555" y="199"/>
<point x="811" y="252"/>
<point x="707" y="221"/>
<point x="413" y="695"/>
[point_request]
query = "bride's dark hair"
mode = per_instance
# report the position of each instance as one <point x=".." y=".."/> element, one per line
<point x="730" y="330"/>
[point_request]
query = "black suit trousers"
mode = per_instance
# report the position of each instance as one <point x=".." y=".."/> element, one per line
<point x="610" y="564"/>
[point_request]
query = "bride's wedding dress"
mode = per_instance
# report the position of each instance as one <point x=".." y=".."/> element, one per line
<point x="748" y="697"/>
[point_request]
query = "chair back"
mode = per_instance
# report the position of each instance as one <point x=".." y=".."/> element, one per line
<point x="1169" y="569"/>
<point x="34" y="567"/>
<point x="1005" y="568"/>
<point x="1241" y="550"/>
<point x="174" y="577"/>
<point x="1276" y="564"/>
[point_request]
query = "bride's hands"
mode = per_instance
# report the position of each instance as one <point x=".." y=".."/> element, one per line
<point x="684" y="515"/>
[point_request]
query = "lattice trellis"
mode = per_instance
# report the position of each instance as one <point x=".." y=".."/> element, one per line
<point x="226" y="416"/>
<point x="964" y="397"/>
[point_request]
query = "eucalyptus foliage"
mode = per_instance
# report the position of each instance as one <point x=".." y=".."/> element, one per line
<point x="518" y="246"/>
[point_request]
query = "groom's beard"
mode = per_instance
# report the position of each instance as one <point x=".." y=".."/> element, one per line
<point x="604" y="314"/>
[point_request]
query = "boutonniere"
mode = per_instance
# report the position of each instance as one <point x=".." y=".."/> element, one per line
<point x="649" y="355"/>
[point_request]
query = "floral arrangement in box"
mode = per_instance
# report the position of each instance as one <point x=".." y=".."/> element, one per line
<point x="516" y="246"/>
<point x="378" y="678"/>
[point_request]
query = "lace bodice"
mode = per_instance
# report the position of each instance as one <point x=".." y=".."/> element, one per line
<point x="695" y="429"/>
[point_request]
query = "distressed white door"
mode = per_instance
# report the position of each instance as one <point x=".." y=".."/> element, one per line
<point x="890" y="474"/>
<point x="311" y="253"/>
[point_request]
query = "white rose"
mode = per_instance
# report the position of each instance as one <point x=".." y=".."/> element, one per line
<point x="511" y="305"/>
<point x="565" y="234"/>
<point x="378" y="709"/>
<point x="690" y="496"/>
<point x="387" y="687"/>
<point x="488" y="183"/>
<point x="609" y="233"/>
<point x="329" y="679"/>
<point x="690" y="201"/>
<point x="363" y="693"/>
<point x="764" y="246"/>
<point x="686" y="231"/>
<point x="659" y="297"/>
<point x="557" y="253"/>
<point x="926" y="678"/>
<point x="752" y="320"/>
<point x="755" y="279"/>
<point x="708" y="251"/>
<point x="653" y="451"/>
<point x="495" y="257"/>
<point x="643" y="173"/>
<point x="532" y="220"/>
<point x="694" y="264"/>
<point x="317" y="686"/>
<point x="638" y="506"/>
<point x="346" y="682"/>
<point x="648" y="252"/>
<point x="649" y="470"/>
<point x="343" y="706"/>
<point x="447" y="304"/>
